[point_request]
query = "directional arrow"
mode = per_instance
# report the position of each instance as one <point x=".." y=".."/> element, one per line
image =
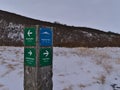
<point x="30" y="53"/>
<point x="29" y="33"/>
<point x="46" y="53"/>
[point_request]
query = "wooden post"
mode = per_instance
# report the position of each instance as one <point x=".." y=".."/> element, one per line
<point x="37" y="73"/>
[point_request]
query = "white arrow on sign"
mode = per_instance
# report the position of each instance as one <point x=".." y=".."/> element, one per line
<point x="29" y="33"/>
<point x="30" y="53"/>
<point x="46" y="53"/>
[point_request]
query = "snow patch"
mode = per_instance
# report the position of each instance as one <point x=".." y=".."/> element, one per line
<point x="73" y="68"/>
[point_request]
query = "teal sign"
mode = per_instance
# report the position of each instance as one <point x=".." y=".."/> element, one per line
<point x="45" y="56"/>
<point x="30" y="36"/>
<point x="30" y="57"/>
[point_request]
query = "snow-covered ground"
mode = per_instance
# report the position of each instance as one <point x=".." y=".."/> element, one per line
<point x="73" y="68"/>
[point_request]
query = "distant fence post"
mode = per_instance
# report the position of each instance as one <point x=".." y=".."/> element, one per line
<point x="38" y="55"/>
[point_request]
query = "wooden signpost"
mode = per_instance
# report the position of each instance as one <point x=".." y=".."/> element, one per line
<point x="38" y="55"/>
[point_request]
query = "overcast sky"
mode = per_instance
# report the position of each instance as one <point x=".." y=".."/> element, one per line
<point x="99" y="14"/>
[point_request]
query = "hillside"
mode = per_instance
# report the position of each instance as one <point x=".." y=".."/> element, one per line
<point x="12" y="25"/>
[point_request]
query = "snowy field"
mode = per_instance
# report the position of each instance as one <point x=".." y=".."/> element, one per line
<point x="73" y="68"/>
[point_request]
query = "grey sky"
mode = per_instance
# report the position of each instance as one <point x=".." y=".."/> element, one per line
<point x="99" y="14"/>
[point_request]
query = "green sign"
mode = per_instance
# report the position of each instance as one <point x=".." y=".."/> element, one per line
<point x="30" y="36"/>
<point x="45" y="56"/>
<point x="30" y="57"/>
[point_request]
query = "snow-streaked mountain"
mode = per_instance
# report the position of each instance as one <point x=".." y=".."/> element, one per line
<point x="12" y="26"/>
<point x="73" y="68"/>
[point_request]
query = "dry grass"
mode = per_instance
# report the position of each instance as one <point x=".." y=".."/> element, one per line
<point x="117" y="61"/>
<point x="82" y="86"/>
<point x="99" y="57"/>
<point x="68" y="88"/>
<point x="85" y="51"/>
<point x="101" y="79"/>
<point x="108" y="68"/>
<point x="1" y="85"/>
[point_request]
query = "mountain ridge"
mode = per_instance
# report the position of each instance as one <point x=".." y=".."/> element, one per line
<point x="64" y="35"/>
<point x="36" y="21"/>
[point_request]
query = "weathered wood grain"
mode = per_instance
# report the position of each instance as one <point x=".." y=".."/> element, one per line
<point x="38" y="78"/>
